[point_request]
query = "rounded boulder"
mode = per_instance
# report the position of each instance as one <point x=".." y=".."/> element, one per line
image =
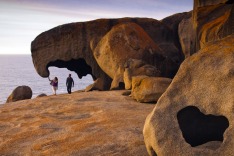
<point x="148" y="89"/>
<point x="20" y="93"/>
<point x="195" y="114"/>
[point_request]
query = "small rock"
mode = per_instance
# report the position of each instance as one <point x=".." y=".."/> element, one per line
<point x="149" y="89"/>
<point x="41" y="95"/>
<point x="97" y="85"/>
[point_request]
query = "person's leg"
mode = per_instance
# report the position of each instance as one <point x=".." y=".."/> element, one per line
<point x="68" y="89"/>
<point x="53" y="89"/>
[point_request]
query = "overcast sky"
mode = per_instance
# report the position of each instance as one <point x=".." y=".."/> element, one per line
<point x="22" y="20"/>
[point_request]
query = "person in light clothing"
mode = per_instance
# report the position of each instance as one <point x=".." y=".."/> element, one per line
<point x="54" y="84"/>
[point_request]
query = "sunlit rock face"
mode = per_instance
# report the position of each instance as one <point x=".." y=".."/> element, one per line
<point x="134" y="67"/>
<point x="149" y="89"/>
<point x="197" y="108"/>
<point x="78" y="124"/>
<point x="212" y="20"/>
<point x="130" y="41"/>
<point x="195" y="114"/>
<point x="72" y="45"/>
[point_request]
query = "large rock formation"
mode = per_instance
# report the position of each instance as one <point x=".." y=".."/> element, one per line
<point x="71" y="46"/>
<point x="129" y="41"/>
<point x="212" y="20"/>
<point x="68" y="46"/>
<point x="149" y="89"/>
<point x="20" y="93"/>
<point x="173" y="23"/>
<point x="195" y="115"/>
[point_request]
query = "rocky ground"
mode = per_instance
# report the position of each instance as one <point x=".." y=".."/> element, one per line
<point x="86" y="123"/>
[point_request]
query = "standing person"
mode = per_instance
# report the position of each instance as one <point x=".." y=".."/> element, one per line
<point x="69" y="83"/>
<point x="54" y="84"/>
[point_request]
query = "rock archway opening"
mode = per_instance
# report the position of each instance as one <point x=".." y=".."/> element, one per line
<point x="198" y="129"/>
<point x="77" y="65"/>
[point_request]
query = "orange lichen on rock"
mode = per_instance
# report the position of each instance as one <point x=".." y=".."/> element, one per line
<point x="86" y="123"/>
<point x="209" y="31"/>
<point x="211" y="22"/>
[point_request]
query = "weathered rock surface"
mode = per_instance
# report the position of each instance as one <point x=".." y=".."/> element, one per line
<point x="71" y="46"/>
<point x="86" y="123"/>
<point x="195" y="114"/>
<point x="20" y="93"/>
<point x="173" y="23"/>
<point x="186" y="37"/>
<point x="134" y="67"/>
<point x="212" y="20"/>
<point x="97" y="85"/>
<point x="129" y="41"/>
<point x="148" y="89"/>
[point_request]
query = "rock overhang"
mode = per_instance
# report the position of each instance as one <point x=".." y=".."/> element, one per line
<point x="75" y="41"/>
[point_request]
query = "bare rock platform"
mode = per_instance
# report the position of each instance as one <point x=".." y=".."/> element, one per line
<point x="83" y="123"/>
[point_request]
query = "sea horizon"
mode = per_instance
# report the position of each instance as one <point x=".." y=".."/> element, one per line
<point x="18" y="69"/>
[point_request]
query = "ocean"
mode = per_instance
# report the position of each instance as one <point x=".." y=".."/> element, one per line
<point x="18" y="70"/>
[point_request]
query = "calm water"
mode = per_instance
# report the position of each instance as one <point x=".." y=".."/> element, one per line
<point x="17" y="70"/>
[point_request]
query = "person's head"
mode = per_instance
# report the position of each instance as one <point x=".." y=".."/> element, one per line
<point x="69" y="75"/>
<point x="56" y="79"/>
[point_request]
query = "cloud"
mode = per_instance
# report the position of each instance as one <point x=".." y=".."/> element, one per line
<point x="106" y="8"/>
<point x="22" y="20"/>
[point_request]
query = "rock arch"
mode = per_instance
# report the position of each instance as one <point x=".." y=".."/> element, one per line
<point x="75" y="41"/>
<point x="77" y="65"/>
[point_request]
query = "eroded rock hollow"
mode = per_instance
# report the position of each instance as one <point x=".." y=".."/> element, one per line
<point x="198" y="128"/>
<point x="195" y="114"/>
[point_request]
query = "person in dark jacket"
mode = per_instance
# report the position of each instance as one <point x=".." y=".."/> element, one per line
<point x="69" y="83"/>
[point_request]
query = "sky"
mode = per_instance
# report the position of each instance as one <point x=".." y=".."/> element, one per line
<point x="22" y="20"/>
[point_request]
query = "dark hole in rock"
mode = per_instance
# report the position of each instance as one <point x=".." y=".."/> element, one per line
<point x="152" y="152"/>
<point x="198" y="129"/>
<point x="121" y="85"/>
<point x="77" y="65"/>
